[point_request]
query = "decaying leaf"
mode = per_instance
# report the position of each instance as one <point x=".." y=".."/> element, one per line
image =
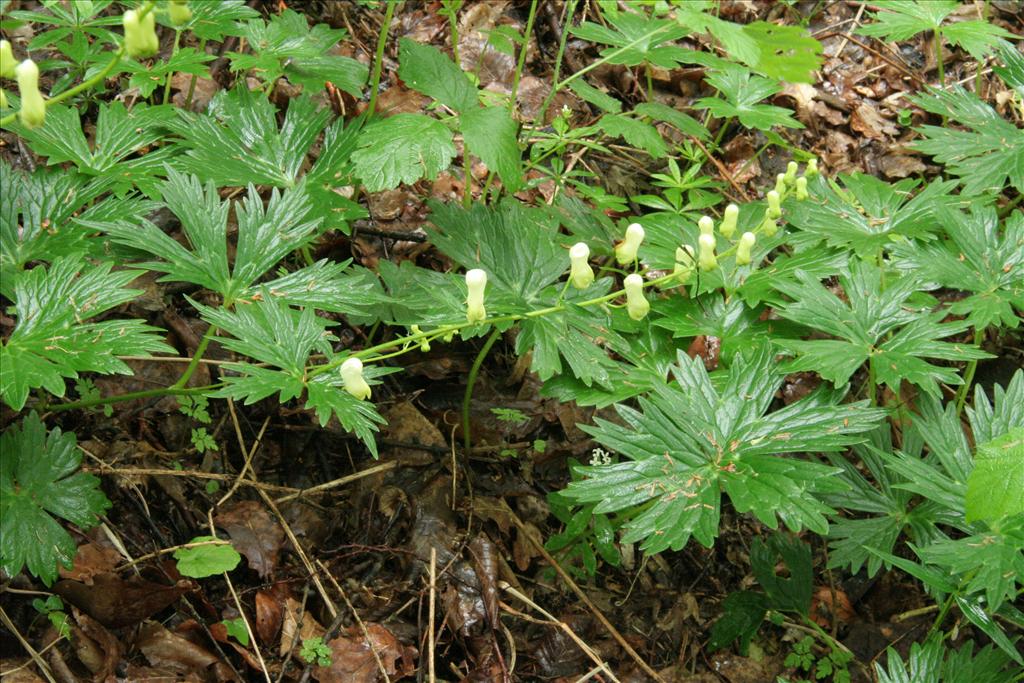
<point x="353" y="660"/>
<point x="254" y="533"/>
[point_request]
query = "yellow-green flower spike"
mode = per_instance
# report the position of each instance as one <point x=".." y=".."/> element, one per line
<point x="626" y="250"/>
<point x="801" y="188"/>
<point x="774" y="204"/>
<point x="707" y="260"/>
<point x="33" y="108"/>
<point x="706" y="225"/>
<point x="636" y="303"/>
<point x="729" y="217"/>
<point x="791" y="169"/>
<point x="581" y="275"/>
<point x="352" y="379"/>
<point x="743" y="248"/>
<point x="7" y="61"/>
<point x="179" y="12"/>
<point x="476" y="281"/>
<point x="769" y="227"/>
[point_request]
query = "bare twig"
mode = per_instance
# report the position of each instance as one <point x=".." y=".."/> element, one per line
<point x="9" y="625"/>
<point x="614" y="632"/>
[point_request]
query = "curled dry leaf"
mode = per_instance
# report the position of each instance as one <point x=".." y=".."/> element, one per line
<point x="254" y="533"/>
<point x="353" y="660"/>
<point x="95" y="646"/>
<point x="269" y="616"/>
<point x="163" y="648"/>
<point x="827" y="602"/>
<point x="91" y="559"/>
<point x="297" y="625"/>
<point x="867" y="121"/>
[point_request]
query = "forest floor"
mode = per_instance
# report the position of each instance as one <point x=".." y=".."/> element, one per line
<point x="355" y="549"/>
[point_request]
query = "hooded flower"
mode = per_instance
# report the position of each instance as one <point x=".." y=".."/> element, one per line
<point x="476" y="281"/>
<point x="580" y="273"/>
<point x="626" y="250"/>
<point x="33" y="108"/>
<point x="352" y="378"/>
<point x="743" y="248"/>
<point x="707" y="259"/>
<point x="729" y="217"/>
<point x="636" y="304"/>
<point x="140" y="34"/>
<point x="6" y="60"/>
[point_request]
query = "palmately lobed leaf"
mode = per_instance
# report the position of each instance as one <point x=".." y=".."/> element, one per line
<point x="875" y="324"/>
<point x="690" y="441"/>
<point x="55" y="338"/>
<point x="403" y="148"/>
<point x="38" y="479"/>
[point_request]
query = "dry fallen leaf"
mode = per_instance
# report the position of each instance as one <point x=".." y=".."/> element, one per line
<point x="866" y="120"/>
<point x="297" y="626"/>
<point x="166" y="649"/>
<point x="116" y="602"/>
<point x="353" y="660"/>
<point x="91" y="559"/>
<point x="254" y="533"/>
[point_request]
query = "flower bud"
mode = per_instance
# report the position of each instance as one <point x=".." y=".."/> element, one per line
<point x="636" y="304"/>
<point x="707" y="260"/>
<point x="791" y="169"/>
<point x="179" y="12"/>
<point x="580" y="273"/>
<point x="743" y="248"/>
<point x="729" y="218"/>
<point x="706" y="225"/>
<point x="780" y="184"/>
<point x="33" y="108"/>
<point x="7" y="61"/>
<point x="140" y="34"/>
<point x="774" y="206"/>
<point x="476" y="281"/>
<point x="424" y="344"/>
<point x="812" y="168"/>
<point x="801" y="188"/>
<point x="683" y="268"/>
<point x="625" y="251"/>
<point x="352" y="378"/>
<point x="3" y="99"/>
<point x="769" y="227"/>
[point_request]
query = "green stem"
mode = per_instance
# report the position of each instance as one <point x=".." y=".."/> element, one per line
<point x="378" y="60"/>
<point x="196" y="357"/>
<point x="938" y="61"/>
<point x="368" y="355"/>
<point x="453" y="26"/>
<point x="569" y="11"/>
<point x="721" y="133"/>
<point x="522" y="55"/>
<point x="872" y="385"/>
<point x="174" y="51"/>
<point x="825" y="636"/>
<point x="1010" y="205"/>
<point x="149" y="393"/>
<point x="195" y="79"/>
<point x="942" y="614"/>
<point x="467" y="175"/>
<point x="467" y="437"/>
<point x="972" y="366"/>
